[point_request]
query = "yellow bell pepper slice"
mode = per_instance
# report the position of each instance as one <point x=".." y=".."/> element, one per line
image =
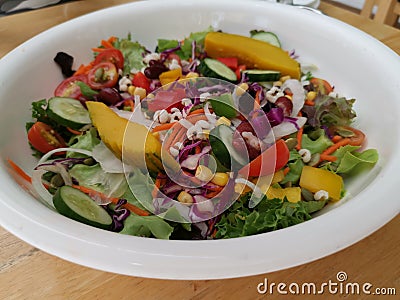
<point x="315" y="179"/>
<point x="170" y="76"/>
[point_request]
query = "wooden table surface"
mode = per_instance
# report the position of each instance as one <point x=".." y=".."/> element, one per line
<point x="29" y="273"/>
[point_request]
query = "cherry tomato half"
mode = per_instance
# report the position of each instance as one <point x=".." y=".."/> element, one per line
<point x="103" y="75"/>
<point x="113" y="56"/>
<point x="140" y="80"/>
<point x="356" y="136"/>
<point x="69" y="88"/>
<point x="321" y="85"/>
<point x="44" y="138"/>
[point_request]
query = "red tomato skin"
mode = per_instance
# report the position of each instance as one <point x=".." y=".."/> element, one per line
<point x="140" y="80"/>
<point x="268" y="162"/>
<point x="110" y="80"/>
<point x="167" y="100"/>
<point x="43" y="138"/>
<point x="231" y="62"/>
<point x="113" y="56"/>
<point x="68" y="88"/>
<point x="321" y="85"/>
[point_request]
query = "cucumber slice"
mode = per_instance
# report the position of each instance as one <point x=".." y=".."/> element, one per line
<point x="78" y="206"/>
<point x="68" y="112"/>
<point x="221" y="144"/>
<point x="214" y="68"/>
<point x="268" y="37"/>
<point x="262" y="75"/>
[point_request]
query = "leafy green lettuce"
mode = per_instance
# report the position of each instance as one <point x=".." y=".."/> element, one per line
<point x="268" y="215"/>
<point x="186" y="47"/>
<point x="316" y="141"/>
<point x="149" y="226"/>
<point x="111" y="184"/>
<point x="86" y="141"/>
<point x="350" y="160"/>
<point x="133" y="54"/>
<point x="329" y="110"/>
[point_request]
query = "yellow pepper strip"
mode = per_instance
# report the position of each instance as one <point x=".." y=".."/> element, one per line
<point x="315" y="179"/>
<point x="293" y="194"/>
<point x="170" y="76"/>
<point x="253" y="53"/>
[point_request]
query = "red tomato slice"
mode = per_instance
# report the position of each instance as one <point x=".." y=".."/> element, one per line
<point x="239" y="70"/>
<point x="321" y="85"/>
<point x="44" y="138"/>
<point x="69" y="88"/>
<point x="167" y="99"/>
<point x="140" y="80"/>
<point x="113" y="56"/>
<point x="231" y="62"/>
<point x="268" y="162"/>
<point x="356" y="140"/>
<point x="103" y="75"/>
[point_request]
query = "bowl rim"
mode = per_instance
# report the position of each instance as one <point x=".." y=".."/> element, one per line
<point x="169" y="259"/>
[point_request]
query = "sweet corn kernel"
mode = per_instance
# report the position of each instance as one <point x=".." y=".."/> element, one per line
<point x="131" y="89"/>
<point x="220" y="179"/>
<point x="284" y="78"/>
<point x="192" y="75"/>
<point x="241" y="188"/>
<point x="141" y="92"/>
<point x="311" y="96"/>
<point x="185" y="198"/>
<point x="203" y="173"/>
<point x="150" y="96"/>
<point x="241" y="88"/>
<point x="223" y="121"/>
<point x="205" y="134"/>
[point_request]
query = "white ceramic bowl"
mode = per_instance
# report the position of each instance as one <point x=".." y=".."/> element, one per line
<point x="358" y="65"/>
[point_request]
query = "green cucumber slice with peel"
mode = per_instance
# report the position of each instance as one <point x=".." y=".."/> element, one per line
<point x="68" y="112"/>
<point x="268" y="37"/>
<point x="210" y="67"/>
<point x="78" y="206"/>
<point x="262" y="75"/>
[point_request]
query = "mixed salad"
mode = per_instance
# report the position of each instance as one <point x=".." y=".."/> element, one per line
<point x="214" y="136"/>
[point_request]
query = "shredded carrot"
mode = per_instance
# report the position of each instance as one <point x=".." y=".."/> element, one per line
<point x="112" y="39"/>
<point x="327" y="157"/>
<point x="129" y="206"/>
<point x="83" y="69"/>
<point x="197" y="150"/>
<point x="76" y="132"/>
<point x="106" y="44"/>
<point x="157" y="184"/>
<point x="212" y="194"/>
<point x="178" y="132"/>
<point x="257" y="100"/>
<point x="309" y="103"/>
<point x="197" y="112"/>
<point x="136" y="210"/>
<point x="19" y="171"/>
<point x="286" y="170"/>
<point x="97" y="49"/>
<point x="334" y="147"/>
<point x="163" y="127"/>
<point x="299" y="138"/>
<point x="130" y="103"/>
<point x="336" y="138"/>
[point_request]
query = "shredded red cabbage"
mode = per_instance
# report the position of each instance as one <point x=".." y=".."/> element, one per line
<point x="118" y="215"/>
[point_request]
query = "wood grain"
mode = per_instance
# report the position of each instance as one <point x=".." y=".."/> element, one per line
<point x="29" y="273"/>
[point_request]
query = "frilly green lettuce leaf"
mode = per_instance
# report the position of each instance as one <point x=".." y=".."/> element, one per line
<point x="148" y="226"/>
